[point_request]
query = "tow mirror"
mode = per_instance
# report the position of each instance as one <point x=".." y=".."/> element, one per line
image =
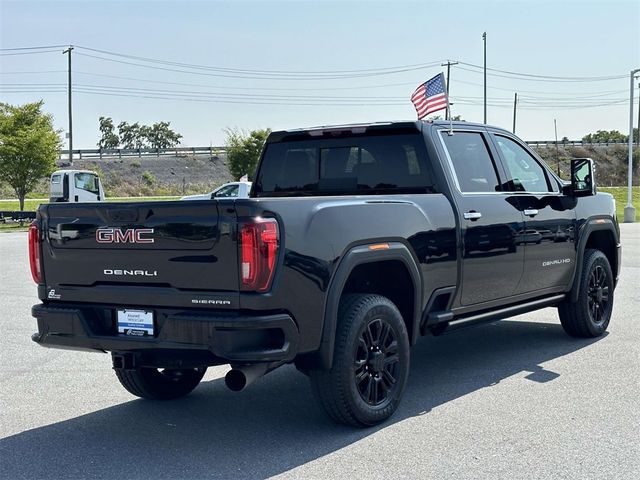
<point x="582" y="178"/>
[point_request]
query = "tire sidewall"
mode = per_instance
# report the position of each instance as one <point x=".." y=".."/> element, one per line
<point x="387" y="312"/>
<point x="594" y="259"/>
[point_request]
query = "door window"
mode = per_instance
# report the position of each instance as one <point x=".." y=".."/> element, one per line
<point x="525" y="174"/>
<point x="472" y="162"/>
<point x="88" y="182"/>
<point x="228" y="191"/>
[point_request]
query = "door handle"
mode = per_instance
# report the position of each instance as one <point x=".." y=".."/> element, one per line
<point x="531" y="212"/>
<point x="472" y="215"/>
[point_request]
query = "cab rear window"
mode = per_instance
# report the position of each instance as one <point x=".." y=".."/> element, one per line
<point x="360" y="165"/>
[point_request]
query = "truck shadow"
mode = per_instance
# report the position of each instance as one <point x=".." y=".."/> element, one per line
<point x="275" y="425"/>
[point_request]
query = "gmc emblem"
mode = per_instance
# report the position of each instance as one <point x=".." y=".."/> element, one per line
<point x="119" y="235"/>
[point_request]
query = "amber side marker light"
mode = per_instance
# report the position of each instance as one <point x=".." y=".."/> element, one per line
<point x="379" y="246"/>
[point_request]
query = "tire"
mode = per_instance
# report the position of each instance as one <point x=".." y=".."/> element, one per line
<point x="589" y="316"/>
<point x="156" y="384"/>
<point x="370" y="362"/>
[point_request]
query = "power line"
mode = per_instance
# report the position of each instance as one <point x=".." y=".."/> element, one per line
<point x="265" y="72"/>
<point x="397" y="100"/>
<point x="32" y="72"/>
<point x="32" y="48"/>
<point x="264" y="76"/>
<point x="547" y="80"/>
<point x="549" y="77"/>
<point x="146" y="80"/>
<point x="26" y="53"/>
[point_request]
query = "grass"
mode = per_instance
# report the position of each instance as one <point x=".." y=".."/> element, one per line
<point x="620" y="194"/>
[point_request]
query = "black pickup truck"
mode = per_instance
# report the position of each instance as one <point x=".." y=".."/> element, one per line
<point x="355" y="241"/>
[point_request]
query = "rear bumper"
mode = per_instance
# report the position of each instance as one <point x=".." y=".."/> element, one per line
<point x="225" y="338"/>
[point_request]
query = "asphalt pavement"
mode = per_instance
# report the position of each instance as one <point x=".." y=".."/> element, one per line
<point x="512" y="399"/>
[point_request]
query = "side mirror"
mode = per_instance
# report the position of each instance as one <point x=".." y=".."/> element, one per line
<point x="582" y="178"/>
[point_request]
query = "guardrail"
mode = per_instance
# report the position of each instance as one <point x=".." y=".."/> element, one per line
<point x="216" y="151"/>
<point x="571" y="143"/>
<point x="142" y="152"/>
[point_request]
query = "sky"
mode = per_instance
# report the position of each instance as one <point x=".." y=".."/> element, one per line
<point x="296" y="64"/>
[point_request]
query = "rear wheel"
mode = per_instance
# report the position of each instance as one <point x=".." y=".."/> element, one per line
<point x="370" y="363"/>
<point x="589" y="316"/>
<point x="160" y="384"/>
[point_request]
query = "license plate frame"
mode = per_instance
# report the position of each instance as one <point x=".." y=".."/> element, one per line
<point x="135" y="322"/>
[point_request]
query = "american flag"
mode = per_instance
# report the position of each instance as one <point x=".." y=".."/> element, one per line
<point x="430" y="97"/>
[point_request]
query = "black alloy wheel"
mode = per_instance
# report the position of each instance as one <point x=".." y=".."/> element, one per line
<point x="376" y="362"/>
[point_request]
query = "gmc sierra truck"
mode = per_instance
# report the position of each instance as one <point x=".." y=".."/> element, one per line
<point x="355" y="241"/>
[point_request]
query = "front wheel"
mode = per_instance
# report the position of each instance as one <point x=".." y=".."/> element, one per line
<point x="160" y="384"/>
<point x="589" y="316"/>
<point x="370" y="363"/>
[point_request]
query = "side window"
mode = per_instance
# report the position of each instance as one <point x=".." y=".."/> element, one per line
<point x="228" y="191"/>
<point x="87" y="181"/>
<point x="472" y="162"/>
<point x="525" y="174"/>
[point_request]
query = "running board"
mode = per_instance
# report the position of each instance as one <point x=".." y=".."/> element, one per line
<point x="501" y="313"/>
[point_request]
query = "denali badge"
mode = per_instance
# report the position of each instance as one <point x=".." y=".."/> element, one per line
<point x="556" y="262"/>
<point x="122" y="272"/>
<point x="119" y="235"/>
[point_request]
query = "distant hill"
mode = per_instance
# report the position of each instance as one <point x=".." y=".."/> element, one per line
<point x="611" y="162"/>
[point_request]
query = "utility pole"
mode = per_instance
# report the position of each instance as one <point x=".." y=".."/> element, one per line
<point x="515" y="103"/>
<point x="448" y="65"/>
<point x="484" y="39"/>
<point x="555" y="127"/>
<point x="629" y="209"/>
<point x="68" y="51"/>
<point x="638" y="140"/>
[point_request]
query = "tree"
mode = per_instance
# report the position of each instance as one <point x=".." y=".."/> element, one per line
<point x="243" y="150"/>
<point x="29" y="146"/>
<point x="159" y="135"/>
<point x="455" y="118"/>
<point x="109" y="138"/>
<point x="134" y="135"/>
<point x="603" y="136"/>
<point x="130" y="135"/>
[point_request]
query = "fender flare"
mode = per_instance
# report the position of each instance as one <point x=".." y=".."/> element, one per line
<point x="355" y="256"/>
<point x="592" y="225"/>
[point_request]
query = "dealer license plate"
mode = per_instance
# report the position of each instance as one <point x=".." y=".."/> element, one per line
<point x="138" y="323"/>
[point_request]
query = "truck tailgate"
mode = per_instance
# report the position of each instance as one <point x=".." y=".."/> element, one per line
<point x="136" y="249"/>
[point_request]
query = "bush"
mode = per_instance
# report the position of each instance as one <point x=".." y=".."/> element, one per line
<point x="148" y="178"/>
<point x="243" y="150"/>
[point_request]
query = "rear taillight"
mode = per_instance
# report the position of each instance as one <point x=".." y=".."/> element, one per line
<point x="34" y="253"/>
<point x="259" y="240"/>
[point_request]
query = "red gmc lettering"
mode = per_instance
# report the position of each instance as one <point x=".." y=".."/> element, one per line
<point x="118" y="235"/>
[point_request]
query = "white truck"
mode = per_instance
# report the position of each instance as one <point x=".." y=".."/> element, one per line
<point x="75" y="186"/>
